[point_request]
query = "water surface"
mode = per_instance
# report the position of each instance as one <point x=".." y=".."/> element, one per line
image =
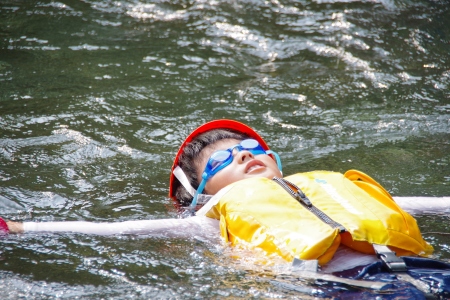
<point x="96" y="96"/>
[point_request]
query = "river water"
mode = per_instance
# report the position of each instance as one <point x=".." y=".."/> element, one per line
<point x="96" y="96"/>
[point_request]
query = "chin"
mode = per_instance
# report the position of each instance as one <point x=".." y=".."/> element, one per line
<point x="265" y="174"/>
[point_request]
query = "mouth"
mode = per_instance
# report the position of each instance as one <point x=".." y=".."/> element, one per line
<point x="254" y="166"/>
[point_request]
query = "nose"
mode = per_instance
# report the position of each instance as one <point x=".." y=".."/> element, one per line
<point x="243" y="156"/>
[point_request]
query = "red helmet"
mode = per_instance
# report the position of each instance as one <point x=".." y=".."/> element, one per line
<point x="217" y="124"/>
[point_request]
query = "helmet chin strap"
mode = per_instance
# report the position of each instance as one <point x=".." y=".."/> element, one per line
<point x="182" y="178"/>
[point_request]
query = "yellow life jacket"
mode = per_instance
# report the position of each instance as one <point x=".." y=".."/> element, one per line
<point x="352" y="209"/>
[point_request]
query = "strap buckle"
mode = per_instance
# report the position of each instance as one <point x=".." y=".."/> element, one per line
<point x="390" y="259"/>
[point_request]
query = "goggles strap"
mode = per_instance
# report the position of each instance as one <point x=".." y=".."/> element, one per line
<point x="277" y="158"/>
<point x="179" y="174"/>
<point x="197" y="193"/>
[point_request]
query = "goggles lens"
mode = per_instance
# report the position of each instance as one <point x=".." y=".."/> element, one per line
<point x="218" y="158"/>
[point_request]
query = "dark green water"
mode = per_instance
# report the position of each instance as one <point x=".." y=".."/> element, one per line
<point x="96" y="96"/>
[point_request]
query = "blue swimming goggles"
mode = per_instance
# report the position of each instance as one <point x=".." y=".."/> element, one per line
<point x="222" y="158"/>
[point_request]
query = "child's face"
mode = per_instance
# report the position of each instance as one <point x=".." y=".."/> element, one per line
<point x="244" y="165"/>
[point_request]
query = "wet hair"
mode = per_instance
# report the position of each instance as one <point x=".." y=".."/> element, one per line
<point x="188" y="160"/>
